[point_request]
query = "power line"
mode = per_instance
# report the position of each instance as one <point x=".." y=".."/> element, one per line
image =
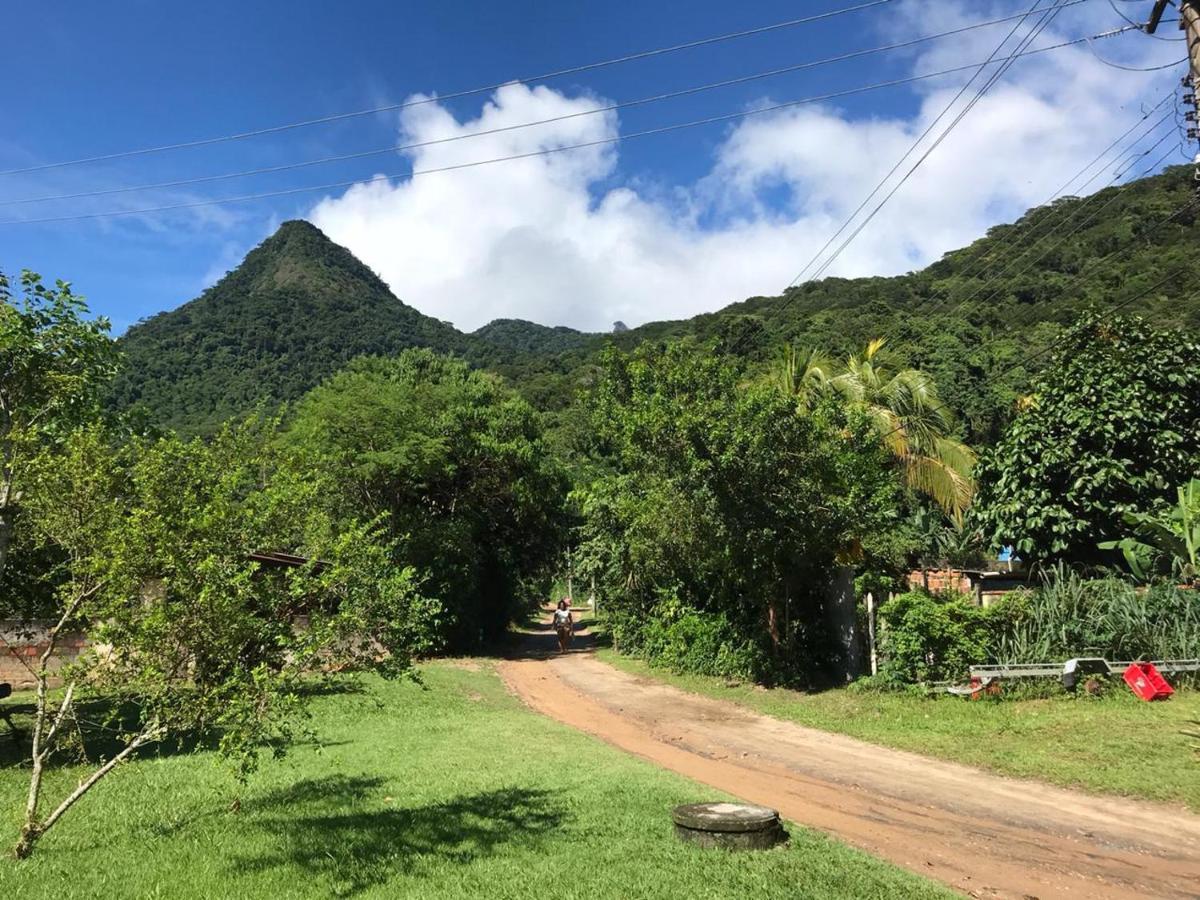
<point x="861" y="206"/>
<point x="1004" y="243"/>
<point x="1095" y="261"/>
<point x="709" y="120"/>
<point x="1067" y="236"/>
<point x="1141" y="25"/>
<point x="559" y="73"/>
<point x="1025" y="360"/>
<point x="1047" y="16"/>
<point x="625" y="104"/>
<point x="1125" y="68"/>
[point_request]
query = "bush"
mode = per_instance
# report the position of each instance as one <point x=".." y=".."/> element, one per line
<point x="687" y="640"/>
<point x="928" y="637"/>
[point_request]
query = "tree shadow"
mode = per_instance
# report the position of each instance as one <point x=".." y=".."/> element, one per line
<point x="95" y="732"/>
<point x="321" y="827"/>
<point x="538" y="640"/>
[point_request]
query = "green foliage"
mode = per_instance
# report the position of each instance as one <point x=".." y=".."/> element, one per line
<point x="687" y="640"/>
<point x="299" y="307"/>
<point x="457" y="466"/>
<point x="296" y="310"/>
<point x="717" y="497"/>
<point x="1168" y="542"/>
<point x="189" y="634"/>
<point x="54" y="361"/>
<point x="936" y="637"/>
<point x="912" y="421"/>
<point x="1114" y="423"/>
<point x="1069" y="615"/>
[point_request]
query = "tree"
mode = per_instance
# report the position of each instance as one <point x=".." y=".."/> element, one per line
<point x="54" y="361"/>
<point x="717" y="510"/>
<point x="162" y="545"/>
<point x="1112" y="426"/>
<point x="458" y="466"/>
<point x="910" y="419"/>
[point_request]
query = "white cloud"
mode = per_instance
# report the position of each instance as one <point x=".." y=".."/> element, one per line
<point x="568" y="239"/>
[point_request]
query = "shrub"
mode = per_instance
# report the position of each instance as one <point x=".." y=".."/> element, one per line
<point x="936" y="637"/>
<point x="687" y="640"/>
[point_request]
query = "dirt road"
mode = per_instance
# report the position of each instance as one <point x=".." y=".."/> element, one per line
<point x="983" y="834"/>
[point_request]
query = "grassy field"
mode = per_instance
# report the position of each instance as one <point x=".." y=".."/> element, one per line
<point x="1112" y="744"/>
<point x="452" y="790"/>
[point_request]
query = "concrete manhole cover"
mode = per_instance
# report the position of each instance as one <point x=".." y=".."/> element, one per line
<point x="734" y="826"/>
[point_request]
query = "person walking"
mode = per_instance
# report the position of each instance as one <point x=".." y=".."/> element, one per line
<point x="564" y="625"/>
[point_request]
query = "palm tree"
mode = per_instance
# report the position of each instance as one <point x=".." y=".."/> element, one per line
<point x="906" y="412"/>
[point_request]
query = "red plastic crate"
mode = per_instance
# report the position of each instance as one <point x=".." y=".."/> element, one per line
<point x="1146" y="681"/>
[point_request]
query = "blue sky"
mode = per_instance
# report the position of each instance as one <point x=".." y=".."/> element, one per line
<point x="655" y="228"/>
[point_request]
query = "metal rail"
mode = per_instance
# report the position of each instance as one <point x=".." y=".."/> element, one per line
<point x="1045" y="670"/>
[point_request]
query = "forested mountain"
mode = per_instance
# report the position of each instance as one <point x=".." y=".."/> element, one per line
<point x="296" y="310"/>
<point x="528" y="337"/>
<point x="972" y="318"/>
<point x="300" y="306"/>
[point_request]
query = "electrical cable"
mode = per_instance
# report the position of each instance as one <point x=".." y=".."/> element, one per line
<point x="879" y="186"/>
<point x="548" y="151"/>
<point x="1004" y="244"/>
<point x="1047" y="16"/>
<point x="546" y="76"/>
<point x="612" y="107"/>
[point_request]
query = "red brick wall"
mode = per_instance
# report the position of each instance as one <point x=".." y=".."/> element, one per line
<point x="935" y="580"/>
<point x="22" y="643"/>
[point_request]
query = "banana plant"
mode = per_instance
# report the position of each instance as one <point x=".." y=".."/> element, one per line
<point x="1155" y="539"/>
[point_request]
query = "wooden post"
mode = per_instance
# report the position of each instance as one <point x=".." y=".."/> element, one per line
<point x="1189" y="24"/>
<point x="871" y="632"/>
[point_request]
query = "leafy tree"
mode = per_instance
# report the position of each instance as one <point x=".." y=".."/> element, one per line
<point x="1113" y="424"/>
<point x="909" y="417"/>
<point x="714" y="502"/>
<point x="189" y="634"/>
<point x="53" y="363"/>
<point x="458" y="466"/>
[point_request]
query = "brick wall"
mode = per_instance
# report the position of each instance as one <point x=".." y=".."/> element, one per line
<point x="21" y="643"/>
<point x="936" y="580"/>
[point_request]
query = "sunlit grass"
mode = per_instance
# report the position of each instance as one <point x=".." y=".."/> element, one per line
<point x="448" y="791"/>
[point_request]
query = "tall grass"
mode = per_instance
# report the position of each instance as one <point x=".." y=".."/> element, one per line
<point x="1069" y="615"/>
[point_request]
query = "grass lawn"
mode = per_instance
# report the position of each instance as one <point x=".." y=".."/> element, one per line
<point x="452" y="790"/>
<point x="1113" y="744"/>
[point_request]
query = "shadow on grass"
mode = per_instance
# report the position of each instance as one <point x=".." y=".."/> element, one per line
<point x="96" y="732"/>
<point x="101" y="722"/>
<point x="332" y="828"/>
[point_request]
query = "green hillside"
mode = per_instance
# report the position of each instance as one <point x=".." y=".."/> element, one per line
<point x="970" y="318"/>
<point x="300" y="306"/>
<point x="294" y="312"/>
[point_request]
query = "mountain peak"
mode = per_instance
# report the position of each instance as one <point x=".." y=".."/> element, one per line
<point x="297" y="309"/>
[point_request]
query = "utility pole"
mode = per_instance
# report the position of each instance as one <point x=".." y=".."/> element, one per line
<point x="1189" y="24"/>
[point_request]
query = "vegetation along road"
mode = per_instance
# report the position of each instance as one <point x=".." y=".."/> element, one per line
<point x="983" y="834"/>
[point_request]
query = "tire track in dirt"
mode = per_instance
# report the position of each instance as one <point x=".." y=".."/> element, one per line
<point x="980" y="833"/>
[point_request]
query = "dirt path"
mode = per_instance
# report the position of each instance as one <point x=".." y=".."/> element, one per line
<point x="983" y="834"/>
